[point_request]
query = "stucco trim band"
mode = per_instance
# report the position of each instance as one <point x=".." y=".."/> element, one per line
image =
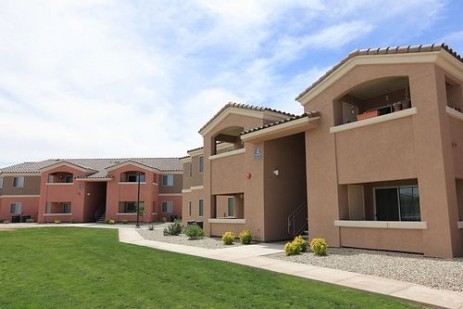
<point x="382" y="224"/>
<point x="19" y="196"/>
<point x="227" y="221"/>
<point x="228" y="153"/>
<point x="378" y="119"/>
<point x="454" y="113"/>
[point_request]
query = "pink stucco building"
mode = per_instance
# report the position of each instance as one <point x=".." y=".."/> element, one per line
<point x="86" y="190"/>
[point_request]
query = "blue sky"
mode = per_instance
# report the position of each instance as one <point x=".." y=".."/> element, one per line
<point x="97" y="78"/>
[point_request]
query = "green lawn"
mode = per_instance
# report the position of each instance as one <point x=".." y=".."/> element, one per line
<point x="62" y="267"/>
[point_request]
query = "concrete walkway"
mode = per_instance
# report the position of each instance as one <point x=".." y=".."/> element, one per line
<point x="254" y="256"/>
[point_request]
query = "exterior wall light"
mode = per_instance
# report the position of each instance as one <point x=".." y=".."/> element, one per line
<point x="276" y="172"/>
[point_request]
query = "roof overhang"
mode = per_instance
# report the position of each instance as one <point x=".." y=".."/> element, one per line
<point x="232" y="110"/>
<point x="281" y="130"/>
<point x="441" y="58"/>
<point x="134" y="163"/>
<point x="67" y="164"/>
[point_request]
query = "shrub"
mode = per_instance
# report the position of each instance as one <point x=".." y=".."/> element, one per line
<point x="57" y="221"/>
<point x="29" y="220"/>
<point x="318" y="246"/>
<point x="125" y="221"/>
<point x="296" y="246"/>
<point x="292" y="248"/>
<point x="245" y="237"/>
<point x="193" y="231"/>
<point x="228" y="238"/>
<point x="173" y="229"/>
<point x="299" y="241"/>
<point x="111" y="221"/>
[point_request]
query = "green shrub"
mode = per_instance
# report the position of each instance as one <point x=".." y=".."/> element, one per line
<point x="318" y="246"/>
<point x="125" y="221"/>
<point x="57" y="221"/>
<point x="29" y="220"/>
<point x="296" y="246"/>
<point x="245" y="237"/>
<point x="299" y="241"/>
<point x="291" y="248"/>
<point x="193" y="231"/>
<point x="173" y="229"/>
<point x="228" y="238"/>
<point x="111" y="221"/>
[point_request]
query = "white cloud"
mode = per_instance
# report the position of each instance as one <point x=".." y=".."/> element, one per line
<point x="100" y="78"/>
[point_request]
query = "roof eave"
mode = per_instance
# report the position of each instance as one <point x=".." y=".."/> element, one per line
<point x="281" y="130"/>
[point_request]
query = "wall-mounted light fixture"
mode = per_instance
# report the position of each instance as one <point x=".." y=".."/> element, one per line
<point x="276" y="172"/>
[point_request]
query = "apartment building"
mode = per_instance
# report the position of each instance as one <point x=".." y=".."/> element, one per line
<point x="85" y="190"/>
<point x="375" y="161"/>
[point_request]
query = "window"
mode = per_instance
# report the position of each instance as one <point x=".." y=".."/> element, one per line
<point x="230" y="206"/>
<point x="1" y="182"/>
<point x="15" y="208"/>
<point x="397" y="203"/>
<point x="130" y="207"/>
<point x="189" y="208"/>
<point x="133" y="177"/>
<point x="68" y="179"/>
<point x="66" y="208"/>
<point x="201" y="207"/>
<point x="167" y="180"/>
<point x="18" y="182"/>
<point x="201" y="164"/>
<point x="167" y="207"/>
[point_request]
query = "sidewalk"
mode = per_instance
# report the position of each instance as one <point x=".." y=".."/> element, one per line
<point x="254" y="256"/>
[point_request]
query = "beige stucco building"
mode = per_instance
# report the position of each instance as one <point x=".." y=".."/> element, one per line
<point x="376" y="160"/>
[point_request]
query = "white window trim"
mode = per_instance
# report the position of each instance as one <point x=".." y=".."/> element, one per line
<point x="410" y="225"/>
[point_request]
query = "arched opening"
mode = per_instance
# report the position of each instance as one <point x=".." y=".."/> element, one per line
<point x="373" y="98"/>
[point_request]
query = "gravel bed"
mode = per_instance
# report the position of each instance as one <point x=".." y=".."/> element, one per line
<point x="431" y="272"/>
<point x="206" y="242"/>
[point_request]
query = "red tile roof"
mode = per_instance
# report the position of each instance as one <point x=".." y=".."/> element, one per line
<point x="98" y="165"/>
<point x="293" y="118"/>
<point x="382" y="51"/>
<point x="247" y="107"/>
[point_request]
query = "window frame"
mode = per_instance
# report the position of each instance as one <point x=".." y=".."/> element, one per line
<point x="168" y="204"/>
<point x="231" y="206"/>
<point x="165" y="180"/>
<point x="17" y="206"/>
<point x="400" y="211"/>
<point x="201" y="164"/>
<point x="18" y="182"/>
<point x="201" y="207"/>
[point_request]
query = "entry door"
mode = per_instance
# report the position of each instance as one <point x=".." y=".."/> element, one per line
<point x="387" y="204"/>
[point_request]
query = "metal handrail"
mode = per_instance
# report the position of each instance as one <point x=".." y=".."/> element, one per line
<point x="297" y="220"/>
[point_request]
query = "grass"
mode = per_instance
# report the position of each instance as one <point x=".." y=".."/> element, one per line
<point x="63" y="267"/>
